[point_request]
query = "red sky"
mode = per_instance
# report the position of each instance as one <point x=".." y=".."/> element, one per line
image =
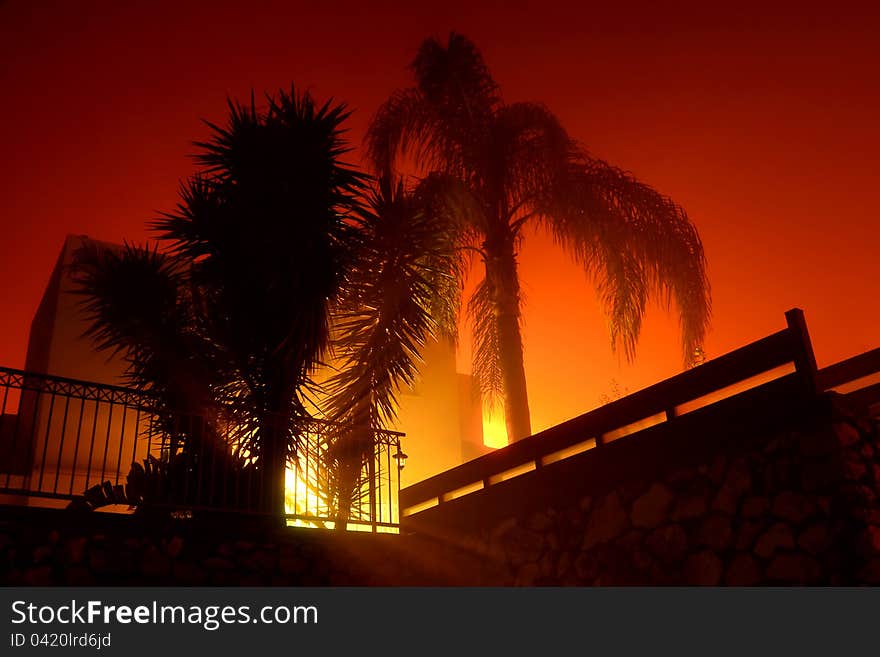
<point x="762" y="122"/>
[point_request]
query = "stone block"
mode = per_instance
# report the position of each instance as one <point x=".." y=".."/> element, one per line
<point x="527" y="574"/>
<point x="585" y="503"/>
<point x="174" y="547"/>
<point x="607" y="521"/>
<point x="667" y="543"/>
<point x="715" y="532"/>
<point x="189" y="574"/>
<point x="585" y="567"/>
<point x="819" y="475"/>
<point x="747" y="533"/>
<point x="689" y="507"/>
<point x="778" y="537"/>
<point x="870" y="540"/>
<point x="854" y="467"/>
<point x="39" y="576"/>
<point x="261" y="560"/>
<point x="523" y="546"/>
<point x="292" y="565"/>
<point x="815" y="539"/>
<point x="41" y="554"/>
<point x="703" y="569"/>
<point x="743" y="570"/>
<point x="78" y="576"/>
<point x="652" y="507"/>
<point x="794" y="569"/>
<point x="793" y="507"/>
<point x="725" y="501"/>
<point x="539" y="522"/>
<point x="75" y="549"/>
<point x="847" y="435"/>
<point x="870" y="574"/>
<point x="754" y="507"/>
<point x="717" y="469"/>
<point x="739" y="478"/>
<point x="154" y="563"/>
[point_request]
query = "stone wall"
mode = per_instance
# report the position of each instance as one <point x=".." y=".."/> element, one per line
<point x="41" y="547"/>
<point x="799" y="508"/>
<point x="793" y="506"/>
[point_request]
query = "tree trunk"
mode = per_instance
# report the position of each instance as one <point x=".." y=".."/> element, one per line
<point x="276" y="422"/>
<point x="501" y="273"/>
<point x="346" y="482"/>
<point x="356" y="446"/>
<point x="272" y="490"/>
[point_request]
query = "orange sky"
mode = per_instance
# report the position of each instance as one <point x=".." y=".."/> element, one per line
<point x="762" y="123"/>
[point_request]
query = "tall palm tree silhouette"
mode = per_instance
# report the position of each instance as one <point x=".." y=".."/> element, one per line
<point x="517" y="165"/>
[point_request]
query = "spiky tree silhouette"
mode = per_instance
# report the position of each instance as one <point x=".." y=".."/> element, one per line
<point x="518" y="165"/>
<point x="402" y="290"/>
<point x="238" y="305"/>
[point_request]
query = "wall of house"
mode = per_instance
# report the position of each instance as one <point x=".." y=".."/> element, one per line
<point x="56" y="344"/>
<point x="441" y="417"/>
<point x="34" y="425"/>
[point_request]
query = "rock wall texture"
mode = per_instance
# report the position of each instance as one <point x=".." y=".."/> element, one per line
<point x="799" y="509"/>
<point x="48" y="547"/>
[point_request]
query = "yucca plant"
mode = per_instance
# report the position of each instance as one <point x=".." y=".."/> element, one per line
<point x="233" y="315"/>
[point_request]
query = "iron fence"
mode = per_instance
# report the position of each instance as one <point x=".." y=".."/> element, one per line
<point x="66" y="441"/>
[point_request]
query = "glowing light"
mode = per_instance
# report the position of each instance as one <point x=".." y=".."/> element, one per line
<point x="494" y="428"/>
<point x="303" y="499"/>
<point x="300" y="499"/>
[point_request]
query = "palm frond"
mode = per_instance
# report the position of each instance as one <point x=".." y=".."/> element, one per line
<point x="455" y="79"/>
<point x="136" y="304"/>
<point x="528" y="149"/>
<point x="443" y="121"/>
<point x="129" y="297"/>
<point x="486" y="350"/>
<point x="265" y="225"/>
<point x="635" y="242"/>
<point x="407" y="125"/>
<point x="403" y="290"/>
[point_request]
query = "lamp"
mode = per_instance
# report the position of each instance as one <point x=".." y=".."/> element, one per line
<point x="401" y="458"/>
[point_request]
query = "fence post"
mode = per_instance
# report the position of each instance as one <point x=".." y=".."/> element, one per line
<point x="371" y="474"/>
<point x="804" y="359"/>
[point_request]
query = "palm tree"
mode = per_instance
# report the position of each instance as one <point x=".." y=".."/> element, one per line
<point x="238" y="306"/>
<point x="401" y="290"/>
<point x="139" y="307"/>
<point x="518" y="165"/>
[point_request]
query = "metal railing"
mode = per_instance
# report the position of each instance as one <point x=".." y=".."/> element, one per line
<point x="63" y="439"/>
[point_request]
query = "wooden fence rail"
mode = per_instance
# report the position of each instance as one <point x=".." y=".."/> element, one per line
<point x="782" y="364"/>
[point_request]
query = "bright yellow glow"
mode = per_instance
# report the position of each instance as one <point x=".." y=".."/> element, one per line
<point x="302" y="499"/>
<point x="494" y="429"/>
